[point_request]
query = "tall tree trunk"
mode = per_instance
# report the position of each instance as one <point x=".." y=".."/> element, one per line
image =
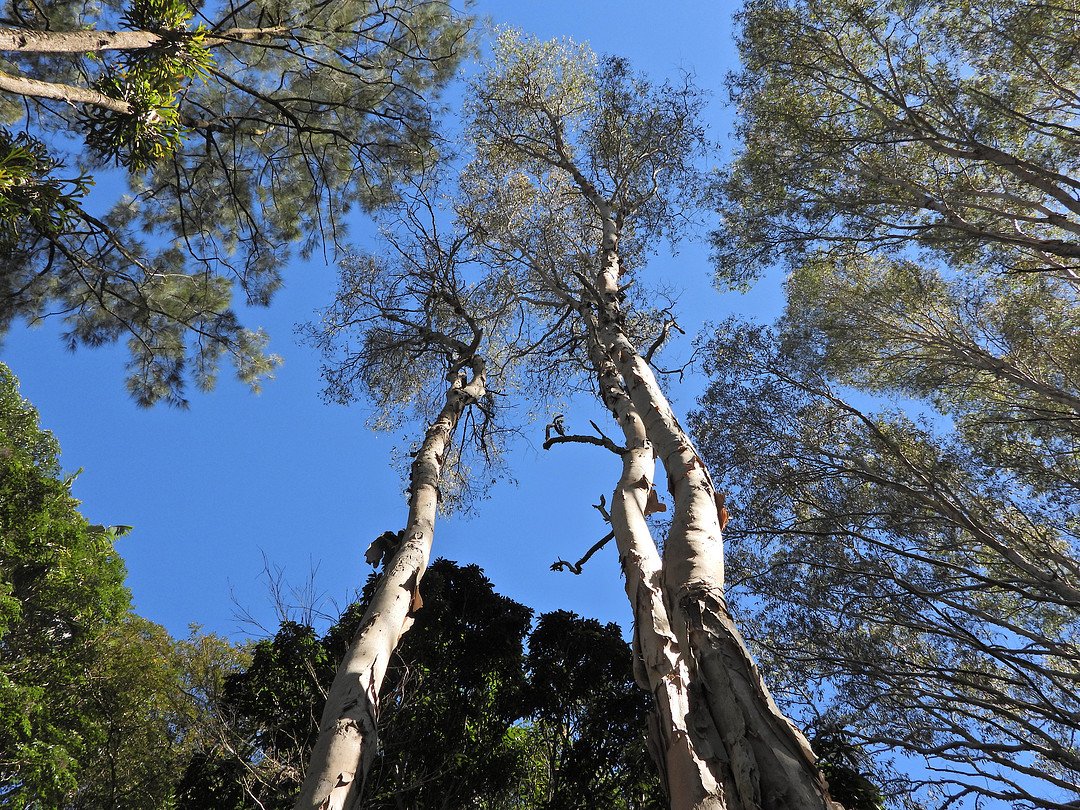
<point x="758" y="756"/>
<point x="757" y="759"/>
<point x="659" y="668"/>
<point x="347" y="733"/>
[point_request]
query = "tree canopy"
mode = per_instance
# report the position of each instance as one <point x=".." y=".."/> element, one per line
<point x="245" y="129"/>
<point x="99" y="708"/>
<point x="902" y="445"/>
<point x="948" y="127"/>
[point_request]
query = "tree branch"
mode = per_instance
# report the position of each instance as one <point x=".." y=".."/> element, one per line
<point x="600" y="441"/>
<point x="22" y="86"/>
<point x="562" y="565"/>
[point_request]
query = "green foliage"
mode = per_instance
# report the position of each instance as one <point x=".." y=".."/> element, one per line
<point x="912" y="580"/>
<point x="98" y="707"/>
<point x="589" y="719"/>
<point x="466" y="720"/>
<point x="944" y="126"/>
<point x="62" y="588"/>
<point x="841" y="762"/>
<point x="250" y="134"/>
<point x="912" y="577"/>
<point x="451" y="700"/>
<point x="146" y="135"/>
<point x="546" y="116"/>
<point x="33" y="201"/>
<point x="150" y="81"/>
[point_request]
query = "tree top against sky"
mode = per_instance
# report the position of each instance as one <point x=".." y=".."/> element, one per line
<point x="246" y="130"/>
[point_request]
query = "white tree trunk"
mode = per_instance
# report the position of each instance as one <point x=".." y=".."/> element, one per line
<point x="347" y="732"/>
<point x="757" y="759"/>
<point x="658" y="665"/>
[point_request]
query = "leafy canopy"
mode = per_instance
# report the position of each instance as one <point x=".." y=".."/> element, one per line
<point x="245" y="129"/>
<point x="99" y="708"/>
<point x="947" y="127"/>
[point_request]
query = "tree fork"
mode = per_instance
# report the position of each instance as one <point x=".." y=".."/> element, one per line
<point x="660" y="668"/>
<point x="760" y="758"/>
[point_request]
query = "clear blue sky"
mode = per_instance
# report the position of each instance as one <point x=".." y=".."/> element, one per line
<point x="212" y="489"/>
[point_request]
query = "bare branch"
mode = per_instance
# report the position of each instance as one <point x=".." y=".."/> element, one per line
<point x="600" y="441"/>
<point x="563" y="565"/>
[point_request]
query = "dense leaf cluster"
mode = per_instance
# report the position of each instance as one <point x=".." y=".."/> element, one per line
<point x="944" y="126"/>
<point x="903" y="444"/>
<point x="98" y="707"/>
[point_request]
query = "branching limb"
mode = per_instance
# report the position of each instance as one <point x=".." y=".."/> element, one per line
<point x="665" y="332"/>
<point x="602" y="509"/>
<point x="23" y="86"/>
<point x="555" y="424"/>
<point x="562" y="565"/>
<point x="562" y="438"/>
<point x="680" y="370"/>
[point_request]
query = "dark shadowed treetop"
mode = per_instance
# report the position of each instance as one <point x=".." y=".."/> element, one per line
<point x="466" y="720"/>
<point x="246" y="128"/>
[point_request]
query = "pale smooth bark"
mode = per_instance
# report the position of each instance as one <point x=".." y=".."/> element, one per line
<point x="22" y="86"/>
<point x="25" y="40"/>
<point x="758" y="756"/>
<point x="347" y="732"/>
<point x="659" y="668"/>
<point x="757" y="759"/>
<point x="21" y="40"/>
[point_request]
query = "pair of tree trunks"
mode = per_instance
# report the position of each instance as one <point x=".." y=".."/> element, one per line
<point x="617" y="156"/>
<point x="717" y="735"/>
<point x="347" y="733"/>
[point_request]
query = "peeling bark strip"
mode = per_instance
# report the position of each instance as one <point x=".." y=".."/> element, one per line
<point x="347" y="732"/>
<point x="658" y="666"/>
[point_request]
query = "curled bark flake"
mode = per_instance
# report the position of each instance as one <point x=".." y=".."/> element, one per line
<point x="412" y="585"/>
<point x="722" y="513"/>
<point x="383" y="547"/>
<point x="654" y="504"/>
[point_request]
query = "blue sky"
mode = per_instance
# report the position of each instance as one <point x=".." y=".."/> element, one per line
<point x="213" y="490"/>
